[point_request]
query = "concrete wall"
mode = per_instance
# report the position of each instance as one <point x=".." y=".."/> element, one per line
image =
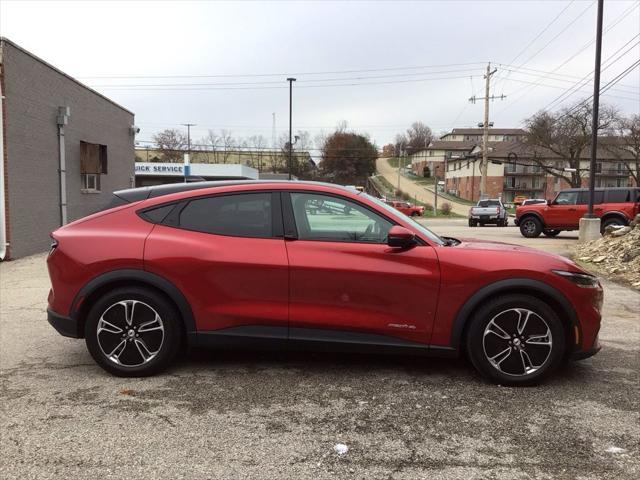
<point x="34" y="91"/>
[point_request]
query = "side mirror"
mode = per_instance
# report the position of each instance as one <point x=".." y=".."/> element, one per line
<point x="549" y="202"/>
<point x="400" y="237"/>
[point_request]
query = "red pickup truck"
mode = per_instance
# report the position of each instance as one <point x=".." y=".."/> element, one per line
<point x="407" y="208"/>
<point x="614" y="206"/>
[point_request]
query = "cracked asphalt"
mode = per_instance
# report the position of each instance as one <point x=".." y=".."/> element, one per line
<point x="279" y="415"/>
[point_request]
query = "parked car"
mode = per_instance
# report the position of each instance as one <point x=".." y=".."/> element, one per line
<point x="407" y="208"/>
<point x="488" y="211"/>
<point x="614" y="206"/>
<point x="518" y="199"/>
<point x="533" y="201"/>
<point x="227" y="264"/>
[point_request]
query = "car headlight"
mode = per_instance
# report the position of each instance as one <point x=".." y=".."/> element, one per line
<point x="583" y="280"/>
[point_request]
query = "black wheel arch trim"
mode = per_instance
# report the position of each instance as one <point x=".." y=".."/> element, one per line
<point x="519" y="285"/>
<point x="531" y="214"/>
<point x="139" y="277"/>
<point x="614" y="213"/>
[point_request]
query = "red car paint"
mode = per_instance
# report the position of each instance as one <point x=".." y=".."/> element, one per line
<point x="407" y="208"/>
<point x="570" y="205"/>
<point x="413" y="294"/>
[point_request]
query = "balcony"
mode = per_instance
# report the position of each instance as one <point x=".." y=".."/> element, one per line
<point x="524" y="186"/>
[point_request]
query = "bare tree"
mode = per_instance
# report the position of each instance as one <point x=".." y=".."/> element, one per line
<point x="258" y="143"/>
<point x="212" y="141"/>
<point x="228" y="142"/>
<point x="561" y="140"/>
<point x="418" y="136"/>
<point x="626" y="145"/>
<point x="171" y="143"/>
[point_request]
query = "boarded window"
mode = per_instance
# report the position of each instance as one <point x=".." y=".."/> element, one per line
<point x="93" y="158"/>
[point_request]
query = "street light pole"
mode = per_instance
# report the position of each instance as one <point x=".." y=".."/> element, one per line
<point x="290" y="80"/>
<point x="590" y="223"/>
<point x="187" y="157"/>
<point x="596" y="108"/>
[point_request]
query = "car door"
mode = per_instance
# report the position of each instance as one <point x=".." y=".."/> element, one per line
<point x="563" y="212"/>
<point x="345" y="278"/>
<point x="226" y="254"/>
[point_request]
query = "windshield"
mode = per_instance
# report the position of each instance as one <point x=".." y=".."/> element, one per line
<point x="394" y="214"/>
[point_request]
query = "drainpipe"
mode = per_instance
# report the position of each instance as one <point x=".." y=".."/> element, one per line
<point x="63" y="119"/>
<point x="3" y="218"/>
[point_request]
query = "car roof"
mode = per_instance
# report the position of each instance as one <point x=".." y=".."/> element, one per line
<point x="130" y="195"/>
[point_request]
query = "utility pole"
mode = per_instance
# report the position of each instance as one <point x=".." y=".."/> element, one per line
<point x="290" y="80"/>
<point x="273" y="131"/>
<point x="187" y="156"/>
<point x="590" y="223"/>
<point x="400" y="161"/>
<point x="485" y="125"/>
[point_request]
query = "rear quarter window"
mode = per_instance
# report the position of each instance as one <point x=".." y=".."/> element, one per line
<point x="239" y="215"/>
<point x="618" y="196"/>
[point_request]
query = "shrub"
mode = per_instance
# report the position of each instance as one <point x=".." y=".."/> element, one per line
<point x="428" y="207"/>
<point x="445" y="208"/>
<point x="405" y="196"/>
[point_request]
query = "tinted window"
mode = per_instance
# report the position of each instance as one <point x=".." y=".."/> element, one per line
<point x="324" y="217"/>
<point x="488" y="203"/>
<point x="598" y="197"/>
<point x="618" y="196"/>
<point x="158" y="214"/>
<point x="566" y="198"/>
<point x="245" y="215"/>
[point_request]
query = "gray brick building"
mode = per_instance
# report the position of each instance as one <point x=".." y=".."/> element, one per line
<point x="47" y="116"/>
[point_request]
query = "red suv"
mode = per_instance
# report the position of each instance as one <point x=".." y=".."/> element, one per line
<point x="615" y="206"/>
<point x="306" y="265"/>
<point x="407" y="208"/>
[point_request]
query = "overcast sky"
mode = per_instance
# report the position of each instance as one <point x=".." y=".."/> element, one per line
<point x="421" y="60"/>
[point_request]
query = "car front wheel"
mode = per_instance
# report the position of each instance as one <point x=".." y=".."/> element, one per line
<point x="530" y="227"/>
<point x="133" y="332"/>
<point x="515" y="340"/>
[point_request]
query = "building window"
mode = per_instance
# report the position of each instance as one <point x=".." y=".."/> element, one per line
<point x="511" y="167"/>
<point x="598" y="167"/>
<point x="90" y="182"/>
<point x="93" y="163"/>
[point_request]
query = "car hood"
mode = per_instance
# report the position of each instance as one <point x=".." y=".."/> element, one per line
<point x="487" y="245"/>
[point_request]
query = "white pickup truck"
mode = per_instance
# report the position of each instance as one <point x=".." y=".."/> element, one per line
<point x="488" y="211"/>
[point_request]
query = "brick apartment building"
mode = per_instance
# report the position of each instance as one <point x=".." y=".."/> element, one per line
<point x="511" y="171"/>
<point x="63" y="149"/>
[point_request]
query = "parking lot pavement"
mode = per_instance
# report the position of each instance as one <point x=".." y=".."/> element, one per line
<point x="459" y="228"/>
<point x="278" y="415"/>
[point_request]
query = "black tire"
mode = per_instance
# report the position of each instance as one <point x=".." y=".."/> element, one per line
<point x="414" y="214"/>
<point x="526" y="359"/>
<point x="473" y="223"/>
<point x="530" y="227"/>
<point x="160" y="340"/>
<point x="551" y="233"/>
<point x="611" y="221"/>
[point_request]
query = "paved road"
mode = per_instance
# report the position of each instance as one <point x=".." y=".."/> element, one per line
<point x="278" y="415"/>
<point x="413" y="189"/>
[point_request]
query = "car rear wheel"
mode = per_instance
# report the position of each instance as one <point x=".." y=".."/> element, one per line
<point x="551" y="233"/>
<point x="611" y="221"/>
<point x="530" y="227"/>
<point x="414" y="214"/>
<point x="133" y="332"/>
<point x="515" y="340"/>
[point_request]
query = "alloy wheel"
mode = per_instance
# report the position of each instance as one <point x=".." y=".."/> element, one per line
<point x="130" y="333"/>
<point x="529" y="227"/>
<point x="517" y="342"/>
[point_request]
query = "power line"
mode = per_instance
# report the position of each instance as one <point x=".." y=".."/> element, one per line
<point x="612" y="25"/>
<point x="278" y="82"/>
<point x="333" y="72"/>
<point x="576" y="87"/>
<point x="539" y="35"/>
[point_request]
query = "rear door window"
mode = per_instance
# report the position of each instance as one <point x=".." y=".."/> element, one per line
<point x="240" y="215"/>
<point x="598" y="197"/>
<point x="617" y="196"/>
